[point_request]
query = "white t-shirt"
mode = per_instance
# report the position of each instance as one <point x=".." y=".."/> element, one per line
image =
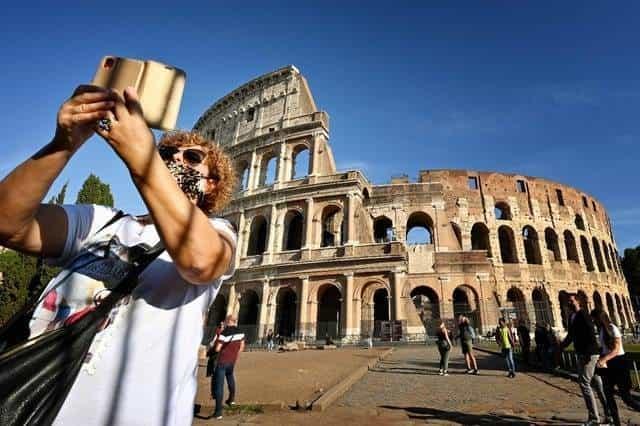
<point x="616" y="334"/>
<point x="141" y="368"/>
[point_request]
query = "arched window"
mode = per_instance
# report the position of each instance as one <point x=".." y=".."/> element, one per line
<point x="515" y="298"/>
<point x="542" y="306"/>
<point x="597" y="300"/>
<point x="300" y="163"/>
<point x="382" y="230"/>
<point x="248" y="315"/>
<point x="285" y="312"/>
<point x="507" y="245"/>
<point x="586" y="253"/>
<point x="425" y="300"/>
<point x="606" y="255"/>
<point x="531" y="245"/>
<point x="329" y="307"/>
<point x="243" y="168"/>
<point x="480" y="238"/>
<point x="502" y="211"/>
<point x="257" y="236"/>
<point x="268" y="169"/>
<point x="596" y="250"/>
<point x="570" y="245"/>
<point x="332" y="226"/>
<point x="579" y="222"/>
<point x="551" y="241"/>
<point x="292" y="235"/>
<point x="419" y="229"/>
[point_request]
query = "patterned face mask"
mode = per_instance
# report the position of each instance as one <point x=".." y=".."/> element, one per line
<point x="189" y="180"/>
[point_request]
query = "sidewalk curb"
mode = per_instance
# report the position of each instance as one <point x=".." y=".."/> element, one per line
<point x="345" y="384"/>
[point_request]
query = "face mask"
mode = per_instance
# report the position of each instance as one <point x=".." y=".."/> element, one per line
<point x="190" y="181"/>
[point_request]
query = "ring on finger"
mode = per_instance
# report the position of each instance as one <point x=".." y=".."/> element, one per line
<point x="104" y="124"/>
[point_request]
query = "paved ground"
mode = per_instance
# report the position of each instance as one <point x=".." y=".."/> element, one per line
<point x="406" y="390"/>
<point x="287" y="377"/>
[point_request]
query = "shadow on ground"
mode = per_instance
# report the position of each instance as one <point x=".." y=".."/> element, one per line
<point x="457" y="417"/>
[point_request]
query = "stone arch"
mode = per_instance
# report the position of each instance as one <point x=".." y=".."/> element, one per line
<point x="466" y="302"/>
<point x="542" y="306"/>
<point x="508" y="251"/>
<point x="480" y="238"/>
<point x="420" y="226"/>
<point x="628" y="310"/>
<point x="427" y="305"/>
<point x="248" y="314"/>
<point x="286" y="308"/>
<point x="611" y="310"/>
<point x="571" y="247"/>
<point x="374" y="307"/>
<point x="620" y="311"/>
<point x="458" y="233"/>
<point x="243" y="169"/>
<point x="292" y="234"/>
<point x="268" y="169"/>
<point x="328" y="320"/>
<point x="515" y="297"/>
<point x="597" y="300"/>
<point x="551" y="242"/>
<point x="332" y="224"/>
<point x="596" y="250"/>
<point x="257" y="236"/>
<point x="502" y="211"/>
<point x="216" y="315"/>
<point x="531" y="245"/>
<point x="365" y="194"/>
<point x="613" y="259"/>
<point x="586" y="253"/>
<point x="579" y="222"/>
<point x="300" y="162"/>
<point x="605" y="250"/>
<point x="382" y="229"/>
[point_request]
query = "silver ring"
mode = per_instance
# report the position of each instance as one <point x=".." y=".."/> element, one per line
<point x="104" y="124"/>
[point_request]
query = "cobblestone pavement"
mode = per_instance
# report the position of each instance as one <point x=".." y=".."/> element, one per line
<point x="405" y="389"/>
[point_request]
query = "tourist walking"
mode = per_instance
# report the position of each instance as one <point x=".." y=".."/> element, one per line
<point x="444" y="347"/>
<point x="612" y="365"/>
<point x="229" y="345"/>
<point x="525" y="341"/>
<point x="504" y="337"/>
<point x="466" y="336"/>
<point x="581" y="333"/>
<point x="270" y="344"/>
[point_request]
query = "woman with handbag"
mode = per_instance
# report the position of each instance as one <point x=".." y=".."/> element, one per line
<point x="114" y="338"/>
<point x="444" y="347"/>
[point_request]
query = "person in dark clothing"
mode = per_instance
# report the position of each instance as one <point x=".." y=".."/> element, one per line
<point x="525" y="341"/>
<point x="582" y="334"/>
<point x="466" y="336"/>
<point x="542" y="343"/>
<point x="229" y="345"/>
<point x="444" y="347"/>
<point x="612" y="365"/>
<point x="212" y="358"/>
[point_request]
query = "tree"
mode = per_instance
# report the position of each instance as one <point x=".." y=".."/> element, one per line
<point x="59" y="199"/>
<point x="93" y="191"/>
<point x="631" y="268"/>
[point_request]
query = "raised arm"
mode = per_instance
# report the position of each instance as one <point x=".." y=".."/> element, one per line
<point x="27" y="225"/>
<point x="199" y="252"/>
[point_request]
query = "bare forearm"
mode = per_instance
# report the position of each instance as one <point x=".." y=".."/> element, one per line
<point x="194" y="245"/>
<point x="22" y="191"/>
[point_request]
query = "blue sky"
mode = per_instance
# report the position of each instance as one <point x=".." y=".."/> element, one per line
<point x="547" y="89"/>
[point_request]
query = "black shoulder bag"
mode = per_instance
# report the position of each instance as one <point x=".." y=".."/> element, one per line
<point x="37" y="375"/>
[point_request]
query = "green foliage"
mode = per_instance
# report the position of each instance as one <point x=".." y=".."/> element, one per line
<point x="20" y="281"/>
<point x="94" y="191"/>
<point x="631" y="268"/>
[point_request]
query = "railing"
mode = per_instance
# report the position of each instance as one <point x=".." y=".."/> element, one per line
<point x="249" y="261"/>
<point x="286" y="256"/>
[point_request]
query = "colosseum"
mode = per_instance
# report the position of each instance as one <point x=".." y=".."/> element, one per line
<point x="323" y="252"/>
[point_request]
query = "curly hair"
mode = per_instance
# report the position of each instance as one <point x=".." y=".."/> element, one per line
<point x="217" y="161"/>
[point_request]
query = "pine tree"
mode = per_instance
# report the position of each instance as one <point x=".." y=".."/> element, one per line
<point x="94" y="191"/>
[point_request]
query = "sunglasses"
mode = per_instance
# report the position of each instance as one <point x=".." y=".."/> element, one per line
<point x="192" y="156"/>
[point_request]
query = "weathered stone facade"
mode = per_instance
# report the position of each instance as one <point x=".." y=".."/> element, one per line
<point x="322" y="252"/>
